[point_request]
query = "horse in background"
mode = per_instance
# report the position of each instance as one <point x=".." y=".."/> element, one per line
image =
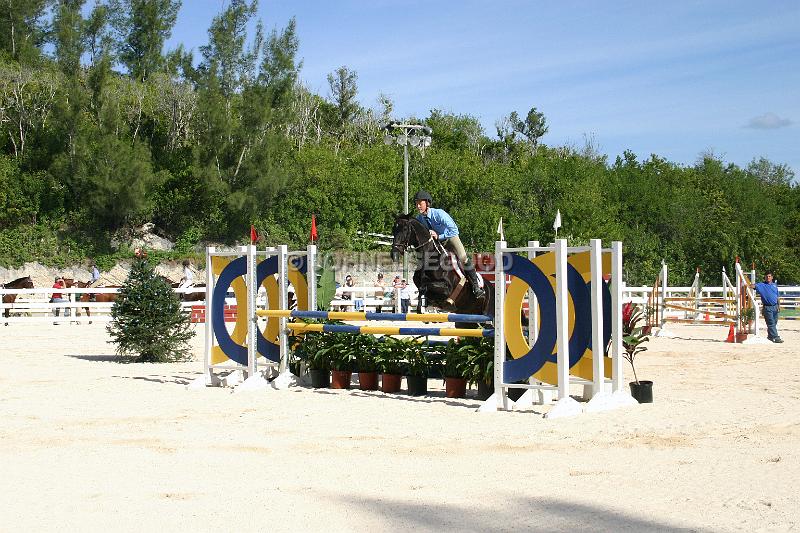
<point x="20" y="283"/>
<point x="436" y="278"/>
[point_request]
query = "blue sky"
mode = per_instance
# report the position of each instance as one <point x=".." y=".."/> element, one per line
<point x="674" y="78"/>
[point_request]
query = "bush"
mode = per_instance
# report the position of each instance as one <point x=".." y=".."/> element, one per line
<point x="147" y="321"/>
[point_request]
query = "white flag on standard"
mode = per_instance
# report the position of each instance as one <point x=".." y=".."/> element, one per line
<point x="557" y="223"/>
<point x="500" y="229"/>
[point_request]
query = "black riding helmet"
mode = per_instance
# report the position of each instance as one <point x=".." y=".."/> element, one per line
<point x="423" y="195"/>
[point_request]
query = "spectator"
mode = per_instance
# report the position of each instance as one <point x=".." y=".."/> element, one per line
<point x="348" y="282"/>
<point x="188" y="276"/>
<point x="770" y="300"/>
<point x="405" y="296"/>
<point x="95" y="275"/>
<point x="58" y="297"/>
<point x="379" y="291"/>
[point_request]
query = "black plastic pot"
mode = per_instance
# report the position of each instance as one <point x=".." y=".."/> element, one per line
<point x="642" y="391"/>
<point x="417" y="385"/>
<point x="320" y="379"/>
<point x="485" y="390"/>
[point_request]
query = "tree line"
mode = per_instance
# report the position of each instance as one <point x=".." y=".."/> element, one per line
<point x="102" y="130"/>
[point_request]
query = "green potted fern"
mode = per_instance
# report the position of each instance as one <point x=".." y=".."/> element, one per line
<point x="416" y="368"/>
<point x="479" y="352"/>
<point x="390" y="353"/>
<point x="455" y="369"/>
<point x="341" y="350"/>
<point x="367" y="362"/>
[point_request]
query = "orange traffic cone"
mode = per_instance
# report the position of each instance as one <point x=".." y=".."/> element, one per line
<point x="731" y="335"/>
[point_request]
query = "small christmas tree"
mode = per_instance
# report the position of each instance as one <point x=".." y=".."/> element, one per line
<point x="147" y="321"/>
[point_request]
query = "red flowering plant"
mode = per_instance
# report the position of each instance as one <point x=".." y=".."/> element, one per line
<point x="632" y="335"/>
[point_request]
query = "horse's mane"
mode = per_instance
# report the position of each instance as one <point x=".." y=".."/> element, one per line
<point x="19" y="280"/>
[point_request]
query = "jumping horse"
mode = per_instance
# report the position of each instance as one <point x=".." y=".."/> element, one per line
<point x="438" y="276"/>
<point x="19" y="283"/>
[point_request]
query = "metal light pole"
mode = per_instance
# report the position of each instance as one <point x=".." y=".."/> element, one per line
<point x="418" y="136"/>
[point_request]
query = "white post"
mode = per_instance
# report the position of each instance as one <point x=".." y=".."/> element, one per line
<point x="209" y="340"/>
<point x="283" y="303"/>
<point x="616" y="316"/>
<point x="562" y="318"/>
<point x="501" y="393"/>
<point x="251" y="279"/>
<point x="598" y="348"/>
<point x="533" y="303"/>
<point x="663" y="294"/>
<point x="311" y="276"/>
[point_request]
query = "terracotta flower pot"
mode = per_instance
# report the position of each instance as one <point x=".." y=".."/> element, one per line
<point x="455" y="387"/>
<point x="391" y="382"/>
<point x="341" y="379"/>
<point x="368" y="380"/>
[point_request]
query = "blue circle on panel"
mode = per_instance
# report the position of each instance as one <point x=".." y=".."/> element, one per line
<point x="237" y="352"/>
<point x="541" y="352"/>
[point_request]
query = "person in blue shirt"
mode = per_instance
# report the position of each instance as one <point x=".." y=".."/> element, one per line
<point x="768" y="290"/>
<point x="443" y="227"/>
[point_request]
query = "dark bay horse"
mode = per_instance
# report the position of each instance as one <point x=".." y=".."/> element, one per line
<point x="19" y="283"/>
<point x="435" y="277"/>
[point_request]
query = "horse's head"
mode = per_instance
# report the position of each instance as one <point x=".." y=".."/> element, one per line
<point x="25" y="283"/>
<point x="402" y="235"/>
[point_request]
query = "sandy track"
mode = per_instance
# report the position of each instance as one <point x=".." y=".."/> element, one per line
<point x="89" y="443"/>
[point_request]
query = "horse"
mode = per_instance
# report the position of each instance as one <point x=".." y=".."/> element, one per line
<point x="19" y="283"/>
<point x="437" y="280"/>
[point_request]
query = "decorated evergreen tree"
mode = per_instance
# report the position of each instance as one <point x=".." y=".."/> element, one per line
<point x="147" y="321"/>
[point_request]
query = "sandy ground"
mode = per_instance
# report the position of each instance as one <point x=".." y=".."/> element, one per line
<point x="89" y="443"/>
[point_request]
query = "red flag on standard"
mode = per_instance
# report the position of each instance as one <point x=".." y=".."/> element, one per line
<point x="314" y="235"/>
<point x="253" y="234"/>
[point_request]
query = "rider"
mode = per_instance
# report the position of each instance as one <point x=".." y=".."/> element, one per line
<point x="443" y="227"/>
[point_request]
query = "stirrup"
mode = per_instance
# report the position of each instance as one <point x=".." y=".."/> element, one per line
<point x="478" y="292"/>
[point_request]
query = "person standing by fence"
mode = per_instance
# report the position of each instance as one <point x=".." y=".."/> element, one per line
<point x="188" y="276"/>
<point x="379" y="291"/>
<point x="405" y="297"/>
<point x="58" y="297"/>
<point x="770" y="300"/>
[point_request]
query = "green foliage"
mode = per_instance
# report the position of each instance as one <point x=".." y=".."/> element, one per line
<point x="147" y="321"/>
<point x="456" y="359"/>
<point x="390" y="353"/>
<point x="416" y="359"/>
<point x="479" y="353"/>
<point x="205" y="151"/>
<point x="633" y="335"/>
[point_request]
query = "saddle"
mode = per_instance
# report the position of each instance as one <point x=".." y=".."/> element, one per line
<point x="450" y="259"/>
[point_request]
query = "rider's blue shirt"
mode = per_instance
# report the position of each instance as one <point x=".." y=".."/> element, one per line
<point x="439" y="221"/>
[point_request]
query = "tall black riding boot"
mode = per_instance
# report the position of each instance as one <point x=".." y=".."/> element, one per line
<point x="473" y="280"/>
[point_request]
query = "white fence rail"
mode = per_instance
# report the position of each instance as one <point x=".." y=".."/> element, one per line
<point x="33" y="305"/>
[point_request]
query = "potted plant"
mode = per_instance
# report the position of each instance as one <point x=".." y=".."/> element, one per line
<point x="341" y="350"/>
<point x="317" y="358"/>
<point x="367" y="362"/>
<point x="416" y="368"/>
<point x="455" y="369"/>
<point x="633" y="339"/>
<point x="479" y="352"/>
<point x="746" y="317"/>
<point x="390" y="353"/>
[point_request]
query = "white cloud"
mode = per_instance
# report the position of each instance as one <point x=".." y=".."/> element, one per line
<point x="768" y="121"/>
